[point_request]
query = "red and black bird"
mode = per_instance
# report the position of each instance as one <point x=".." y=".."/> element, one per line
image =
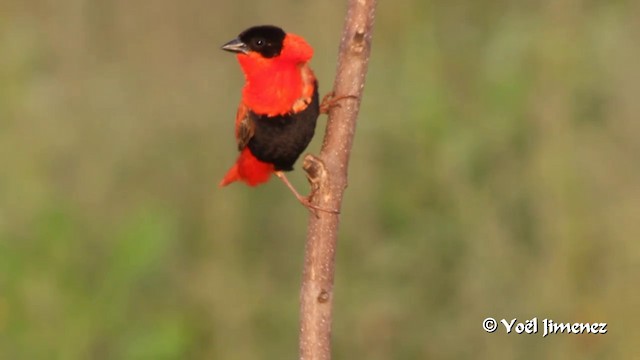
<point x="277" y="115"/>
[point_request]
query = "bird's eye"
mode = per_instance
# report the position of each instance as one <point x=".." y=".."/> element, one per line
<point x="259" y="42"/>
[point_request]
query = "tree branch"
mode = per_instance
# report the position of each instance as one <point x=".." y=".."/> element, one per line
<point x="328" y="177"/>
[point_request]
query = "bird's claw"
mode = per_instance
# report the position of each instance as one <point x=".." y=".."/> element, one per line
<point x="314" y="208"/>
<point x="330" y="100"/>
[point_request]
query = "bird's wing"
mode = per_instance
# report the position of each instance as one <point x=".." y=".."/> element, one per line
<point x="309" y="85"/>
<point x="245" y="126"/>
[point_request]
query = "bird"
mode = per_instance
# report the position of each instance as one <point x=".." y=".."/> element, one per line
<point x="279" y="106"/>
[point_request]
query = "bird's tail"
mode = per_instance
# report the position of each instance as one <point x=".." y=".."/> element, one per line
<point x="248" y="169"/>
<point x="231" y="176"/>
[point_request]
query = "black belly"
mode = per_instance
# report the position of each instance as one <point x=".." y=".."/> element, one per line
<point x="280" y="140"/>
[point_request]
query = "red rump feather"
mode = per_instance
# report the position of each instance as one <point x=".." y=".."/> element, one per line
<point x="248" y="169"/>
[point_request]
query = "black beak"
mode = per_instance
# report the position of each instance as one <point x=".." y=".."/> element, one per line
<point x="236" y="46"/>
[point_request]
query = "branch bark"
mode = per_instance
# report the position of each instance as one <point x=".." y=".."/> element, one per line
<point x="328" y="177"/>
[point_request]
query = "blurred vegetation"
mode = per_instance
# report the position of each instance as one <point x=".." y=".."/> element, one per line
<point x="496" y="172"/>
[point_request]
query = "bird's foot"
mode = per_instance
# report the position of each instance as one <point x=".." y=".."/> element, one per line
<point x="330" y="100"/>
<point x="304" y="200"/>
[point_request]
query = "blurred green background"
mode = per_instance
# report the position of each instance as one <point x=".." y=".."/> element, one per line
<point x="495" y="172"/>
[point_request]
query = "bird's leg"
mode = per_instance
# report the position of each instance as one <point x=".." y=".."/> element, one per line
<point x="304" y="200"/>
<point x="330" y="100"/>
